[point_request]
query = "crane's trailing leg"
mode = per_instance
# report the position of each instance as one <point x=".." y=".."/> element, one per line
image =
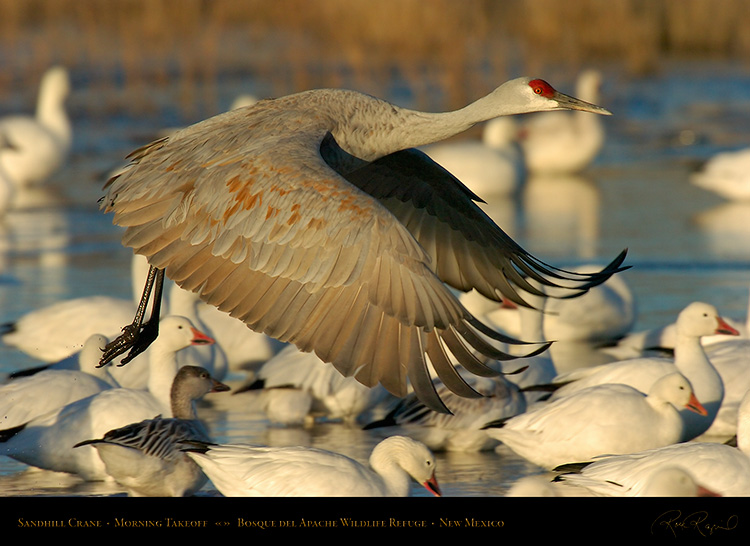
<point x="137" y="336"/>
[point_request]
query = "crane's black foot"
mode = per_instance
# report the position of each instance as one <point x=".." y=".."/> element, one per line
<point x="134" y="339"/>
<point x="120" y="344"/>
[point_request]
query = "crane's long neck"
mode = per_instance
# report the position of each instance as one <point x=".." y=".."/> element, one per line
<point x="370" y="128"/>
<point x="399" y="131"/>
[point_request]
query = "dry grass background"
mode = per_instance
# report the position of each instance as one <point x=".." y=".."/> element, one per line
<point x="444" y="52"/>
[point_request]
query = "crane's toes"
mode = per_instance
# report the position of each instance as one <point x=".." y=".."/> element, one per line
<point x="140" y="341"/>
<point x="111" y="351"/>
<point x="120" y="344"/>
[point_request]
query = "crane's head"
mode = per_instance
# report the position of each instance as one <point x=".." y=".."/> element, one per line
<point x="525" y="95"/>
<point x="548" y="98"/>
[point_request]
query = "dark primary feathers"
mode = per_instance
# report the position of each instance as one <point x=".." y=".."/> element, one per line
<point x="467" y="248"/>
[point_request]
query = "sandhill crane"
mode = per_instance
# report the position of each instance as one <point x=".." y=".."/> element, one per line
<point x="313" y="219"/>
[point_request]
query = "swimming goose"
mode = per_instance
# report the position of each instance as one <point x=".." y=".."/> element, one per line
<point x="721" y="468"/>
<point x="296" y="387"/>
<point x="668" y="481"/>
<point x="37" y="146"/>
<point x="494" y="166"/>
<point x="239" y="470"/>
<point x="47" y="441"/>
<point x="602" y="419"/>
<point x="726" y="174"/>
<point x="147" y="457"/>
<point x="696" y="320"/>
<point x="27" y="398"/>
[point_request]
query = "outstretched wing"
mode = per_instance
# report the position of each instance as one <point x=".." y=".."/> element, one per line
<point x="242" y="209"/>
<point x="468" y="249"/>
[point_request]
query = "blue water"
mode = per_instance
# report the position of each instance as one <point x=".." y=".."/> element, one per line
<point x="636" y="195"/>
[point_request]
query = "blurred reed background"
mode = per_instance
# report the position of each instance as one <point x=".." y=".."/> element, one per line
<point x="437" y="53"/>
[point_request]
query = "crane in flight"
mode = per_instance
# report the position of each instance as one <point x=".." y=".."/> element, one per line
<point x="313" y="218"/>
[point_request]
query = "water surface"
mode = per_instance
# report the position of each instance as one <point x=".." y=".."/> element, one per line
<point x="684" y="245"/>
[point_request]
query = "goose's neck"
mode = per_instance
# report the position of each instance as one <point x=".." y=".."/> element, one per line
<point x="104" y="373"/>
<point x="689" y="353"/>
<point x="162" y="371"/>
<point x="184" y="303"/>
<point x="532" y="328"/>
<point x="50" y="112"/>
<point x="669" y="418"/>
<point x="183" y="407"/>
<point x="743" y="425"/>
<point x="691" y="360"/>
<point x="532" y="320"/>
<point x="395" y="478"/>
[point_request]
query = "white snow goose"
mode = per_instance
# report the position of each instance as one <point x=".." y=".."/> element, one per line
<point x="296" y="388"/>
<point x="47" y="441"/>
<point x="598" y="420"/>
<point x="239" y="470"/>
<point x="696" y="320"/>
<point x="37" y="146"/>
<point x="721" y="468"/>
<point x="29" y="397"/>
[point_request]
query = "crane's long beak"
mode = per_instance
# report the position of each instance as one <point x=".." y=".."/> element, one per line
<point x="567" y="102"/>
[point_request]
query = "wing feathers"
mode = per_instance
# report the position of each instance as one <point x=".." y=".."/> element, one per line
<point x="468" y="249"/>
<point x="263" y="228"/>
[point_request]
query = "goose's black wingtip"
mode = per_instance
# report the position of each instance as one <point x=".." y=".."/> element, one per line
<point x="497" y="423"/>
<point x="571" y="468"/>
<point x="9" y="433"/>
